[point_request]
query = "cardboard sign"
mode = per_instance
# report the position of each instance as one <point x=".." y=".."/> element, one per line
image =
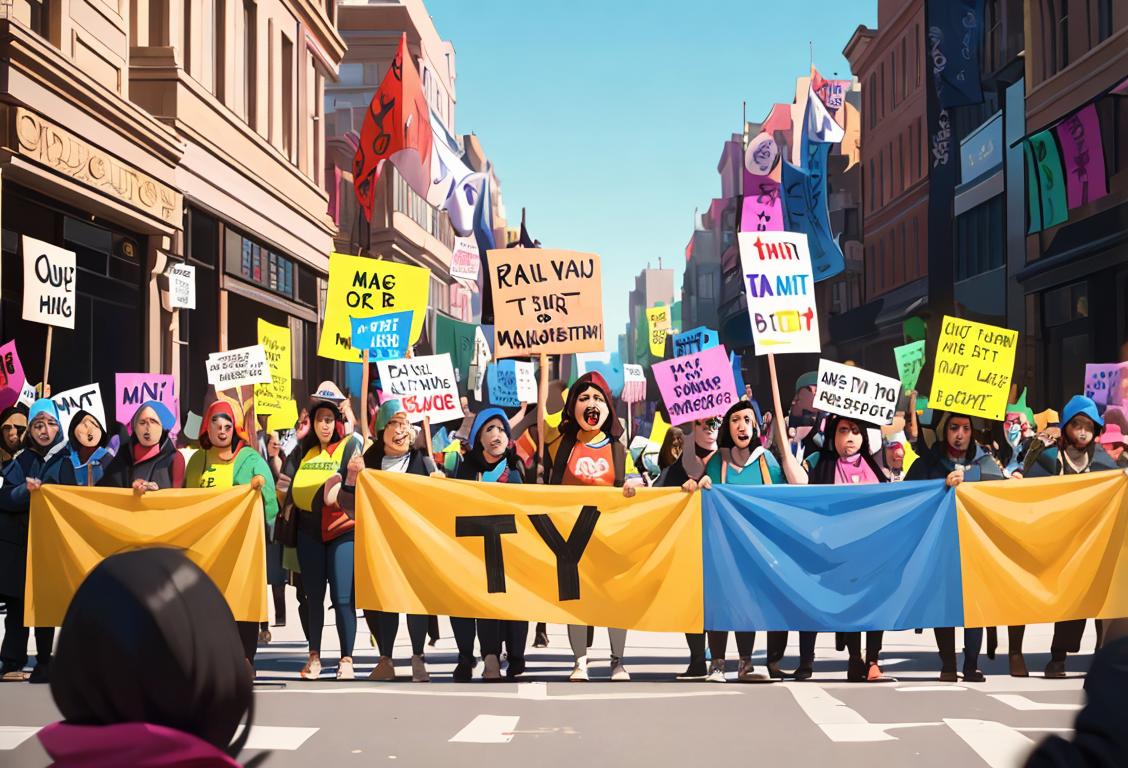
<point x="133" y="389"/>
<point x="974" y="364"/>
<point x="28" y="394"/>
<point x="697" y="386"/>
<point x="88" y="398"/>
<point x="502" y="380"/>
<point x="856" y="393"/>
<point x="276" y="342"/>
<point x="1104" y="382"/>
<point x="426" y="386"/>
<point x="634" y="383"/>
<point x="526" y="381"/>
<point x="694" y="340"/>
<point x="48" y="284"/>
<point x="465" y="261"/>
<point x="284" y="419"/>
<point x="545" y="301"/>
<point x="781" y="292"/>
<point x="910" y="361"/>
<point x="11" y="375"/>
<point x="363" y="287"/>
<point x="658" y="321"/>
<point x="181" y="286"/>
<point x="238" y="368"/>
<point x="384" y="336"/>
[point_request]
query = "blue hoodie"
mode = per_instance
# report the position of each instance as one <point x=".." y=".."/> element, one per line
<point x="475" y="466"/>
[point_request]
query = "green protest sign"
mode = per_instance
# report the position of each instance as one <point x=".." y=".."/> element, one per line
<point x="910" y="360"/>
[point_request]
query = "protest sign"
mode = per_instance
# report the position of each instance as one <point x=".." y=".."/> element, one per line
<point x="694" y="340"/>
<point x="856" y="393"/>
<point x="284" y="418"/>
<point x="181" y="286"/>
<point x="658" y="321"/>
<point x="1103" y="382"/>
<point x="465" y="261"/>
<point x="696" y="386"/>
<point x="238" y="368"/>
<point x="87" y="398"/>
<point x="384" y="336"/>
<point x="11" y="375"/>
<point x="275" y="341"/>
<point x="781" y="292"/>
<point x="132" y="389"/>
<point x="526" y="381"/>
<point x="634" y="383"/>
<point x="974" y="364"/>
<point x="609" y="365"/>
<point x="28" y="394"/>
<point x="48" y="283"/>
<point x="426" y="386"/>
<point x="363" y="287"/>
<point x="502" y="380"/>
<point x="546" y="301"/>
<point x="479" y="360"/>
<point x="910" y="361"/>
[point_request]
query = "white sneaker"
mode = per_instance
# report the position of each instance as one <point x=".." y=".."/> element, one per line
<point x="345" y="670"/>
<point x="579" y="672"/>
<point x="716" y="671"/>
<point x="619" y="673"/>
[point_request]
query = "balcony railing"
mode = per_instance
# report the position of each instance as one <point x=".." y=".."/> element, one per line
<point x="407" y="201"/>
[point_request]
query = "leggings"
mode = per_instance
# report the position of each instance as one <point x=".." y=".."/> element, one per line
<point x="946" y="644"/>
<point x="718" y="644"/>
<point x="328" y="562"/>
<point x="696" y="643"/>
<point x="578" y="635"/>
<point x="13" y="650"/>
<point x="385" y="626"/>
<point x="278" y="591"/>
<point x="489" y="636"/>
<point x="873" y="644"/>
<point x="777" y="646"/>
<point x="248" y="636"/>
<point x="516" y="636"/>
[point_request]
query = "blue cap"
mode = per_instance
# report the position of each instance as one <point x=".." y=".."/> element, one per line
<point x="481" y="419"/>
<point x="387" y="412"/>
<point x="168" y="421"/>
<point x="43" y="406"/>
<point x="1079" y="405"/>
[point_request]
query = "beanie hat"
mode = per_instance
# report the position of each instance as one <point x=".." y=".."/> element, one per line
<point x="388" y="410"/>
<point x="1079" y="405"/>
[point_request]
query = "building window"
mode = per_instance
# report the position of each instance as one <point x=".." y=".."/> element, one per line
<point x="981" y="239"/>
<point x="210" y="51"/>
<point x="872" y="101"/>
<point x="705" y="288"/>
<point x="220" y="53"/>
<point x="990" y="58"/>
<point x="904" y="71"/>
<point x="250" y="60"/>
<point x="881" y="89"/>
<point x="1059" y="47"/>
<point x="892" y="81"/>
<point x="916" y="56"/>
<point x="1104" y="20"/>
<point x="288" y="97"/>
<point x="254" y="262"/>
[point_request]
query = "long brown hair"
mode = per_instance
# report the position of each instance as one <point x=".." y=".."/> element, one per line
<point x="675" y="437"/>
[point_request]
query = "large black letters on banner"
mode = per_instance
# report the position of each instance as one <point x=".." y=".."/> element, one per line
<point x="568" y="552"/>
<point x="490" y="528"/>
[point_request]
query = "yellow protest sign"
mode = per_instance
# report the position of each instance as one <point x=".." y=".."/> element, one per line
<point x="545" y="301"/>
<point x="658" y="430"/>
<point x="72" y="529"/>
<point x="284" y="418"/>
<point x="362" y="287"/>
<point x="973" y="369"/>
<point x="567" y="555"/>
<point x="658" y="320"/>
<point x="276" y="343"/>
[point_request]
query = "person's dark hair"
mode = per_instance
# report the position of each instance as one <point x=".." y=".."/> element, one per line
<point x="674" y="436"/>
<point x="149" y="638"/>
<point x="311" y="439"/>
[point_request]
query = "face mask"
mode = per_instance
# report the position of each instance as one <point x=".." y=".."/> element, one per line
<point x="1014" y="434"/>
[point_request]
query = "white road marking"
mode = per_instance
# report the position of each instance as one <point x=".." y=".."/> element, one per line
<point x="488" y="729"/>
<point x="276" y="737"/>
<point x="839" y="722"/>
<point x="929" y="688"/>
<point x="1023" y="704"/>
<point x="525" y="692"/>
<point x="11" y="736"/>
<point x="998" y="745"/>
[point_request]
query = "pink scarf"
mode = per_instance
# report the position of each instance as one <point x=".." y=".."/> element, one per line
<point x="854" y="471"/>
<point x="141" y="745"/>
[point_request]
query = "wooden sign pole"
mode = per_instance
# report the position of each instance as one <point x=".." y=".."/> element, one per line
<point x="542" y="407"/>
<point x="47" y="362"/>
<point x="364" y="396"/>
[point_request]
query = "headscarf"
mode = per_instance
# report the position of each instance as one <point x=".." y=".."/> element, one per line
<point x="6" y="416"/>
<point x="220" y="408"/>
<point x="43" y="407"/>
<point x="823" y="471"/>
<point x="476" y="456"/>
<point x="79" y="415"/>
<point x="591" y="380"/>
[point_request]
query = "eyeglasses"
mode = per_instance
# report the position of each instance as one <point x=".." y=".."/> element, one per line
<point x="712" y="423"/>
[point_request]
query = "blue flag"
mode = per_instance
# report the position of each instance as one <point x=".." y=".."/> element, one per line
<point x="804" y="207"/>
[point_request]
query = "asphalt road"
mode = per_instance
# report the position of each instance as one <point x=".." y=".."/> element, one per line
<point x="546" y="721"/>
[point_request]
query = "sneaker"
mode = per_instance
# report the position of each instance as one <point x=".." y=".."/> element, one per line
<point x="579" y="672"/>
<point x="419" y="670"/>
<point x="745" y="673"/>
<point x="716" y="671"/>
<point x="264" y="637"/>
<point x="541" y="640"/>
<point x="972" y="675"/>
<point x="1018" y="665"/>
<point x="515" y="668"/>
<point x="345" y="670"/>
<point x="695" y="671"/>
<point x="1055" y="670"/>
<point x="873" y="672"/>
<point x="619" y="673"/>
<point x="384" y="671"/>
<point x="856" y="671"/>
<point x="40" y="674"/>
<point x="492" y="671"/>
<point x="312" y="669"/>
<point x="949" y="676"/>
<point x="463" y="670"/>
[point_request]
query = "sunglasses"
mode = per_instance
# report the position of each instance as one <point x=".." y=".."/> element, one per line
<point x="713" y="422"/>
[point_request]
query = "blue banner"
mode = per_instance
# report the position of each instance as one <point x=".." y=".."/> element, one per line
<point x="384" y="336"/>
<point x="831" y="558"/>
<point x="955" y="33"/>
<point x="694" y="340"/>
<point x="804" y="208"/>
<point x="736" y="361"/>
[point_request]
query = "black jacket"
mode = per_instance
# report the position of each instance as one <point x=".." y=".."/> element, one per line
<point x="15" y="501"/>
<point x="936" y="464"/>
<point x="165" y="468"/>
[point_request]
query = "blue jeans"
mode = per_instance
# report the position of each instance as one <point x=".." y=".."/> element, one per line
<point x="328" y="562"/>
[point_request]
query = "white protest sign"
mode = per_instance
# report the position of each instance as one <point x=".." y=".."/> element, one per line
<point x="48" y="284"/>
<point x="781" y="292"/>
<point x="526" y="381"/>
<point x="28" y="395"/>
<point x="634" y="383"/>
<point x="87" y="398"/>
<point x="238" y="368"/>
<point x="425" y="385"/>
<point x="856" y="393"/>
<point x="465" y="261"/>
<point x="181" y="286"/>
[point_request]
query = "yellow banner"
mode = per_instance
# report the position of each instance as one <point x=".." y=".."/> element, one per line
<point x="275" y="340"/>
<point x="74" y="529"/>
<point x="541" y="553"/>
<point x="974" y="364"/>
<point x="1042" y="550"/>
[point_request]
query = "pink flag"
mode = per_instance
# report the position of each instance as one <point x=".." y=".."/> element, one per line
<point x="761" y="209"/>
<point x="11" y="375"/>
<point x="1079" y="136"/>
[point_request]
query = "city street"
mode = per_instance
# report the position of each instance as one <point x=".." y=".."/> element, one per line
<point x="547" y="721"/>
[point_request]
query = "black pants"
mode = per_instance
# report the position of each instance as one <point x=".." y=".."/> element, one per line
<point x="488" y="632"/>
<point x="946" y="644"/>
<point x="13" y="651"/>
<point x="278" y="591"/>
<point x="248" y="635"/>
<point x="1067" y="638"/>
<point x="853" y="641"/>
<point x="718" y="644"/>
<point x="696" y="643"/>
<point x="777" y="647"/>
<point x="516" y="637"/>
<point x="385" y="626"/>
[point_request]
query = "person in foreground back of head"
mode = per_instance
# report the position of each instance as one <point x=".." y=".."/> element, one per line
<point x="186" y="688"/>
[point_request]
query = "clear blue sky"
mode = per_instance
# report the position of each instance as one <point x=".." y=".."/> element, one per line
<point x="605" y="118"/>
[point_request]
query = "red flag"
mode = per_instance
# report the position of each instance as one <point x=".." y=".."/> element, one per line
<point x="397" y="127"/>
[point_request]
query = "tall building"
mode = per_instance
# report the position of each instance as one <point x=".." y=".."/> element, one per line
<point x="652" y="287"/>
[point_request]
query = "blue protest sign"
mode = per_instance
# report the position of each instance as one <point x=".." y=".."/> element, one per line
<point x="737" y="374"/>
<point x="501" y="379"/>
<point x="384" y="336"/>
<point x="694" y="340"/>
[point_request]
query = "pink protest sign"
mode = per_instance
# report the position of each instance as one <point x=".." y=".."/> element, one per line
<point x="1080" y="138"/>
<point x="11" y="375"/>
<point x="696" y="386"/>
<point x="133" y="389"/>
<point x="762" y="209"/>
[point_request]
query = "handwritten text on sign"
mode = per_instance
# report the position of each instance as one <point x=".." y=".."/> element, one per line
<point x="856" y="393"/>
<point x="87" y="398"/>
<point x="974" y="364"/>
<point x="781" y="292"/>
<point x="181" y="286"/>
<point x="425" y="385"/>
<point x="502" y="380"/>
<point x="465" y="261"/>
<point x="658" y="319"/>
<point x="910" y="361"/>
<point x="545" y="301"/>
<point x="133" y="389"/>
<point x="11" y="375"/>
<point x="1104" y="383"/>
<point x="693" y="341"/>
<point x="272" y="396"/>
<point x="238" y="368"/>
<point x="384" y="336"/>
<point x="49" y="283"/>
<point x="696" y="386"/>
